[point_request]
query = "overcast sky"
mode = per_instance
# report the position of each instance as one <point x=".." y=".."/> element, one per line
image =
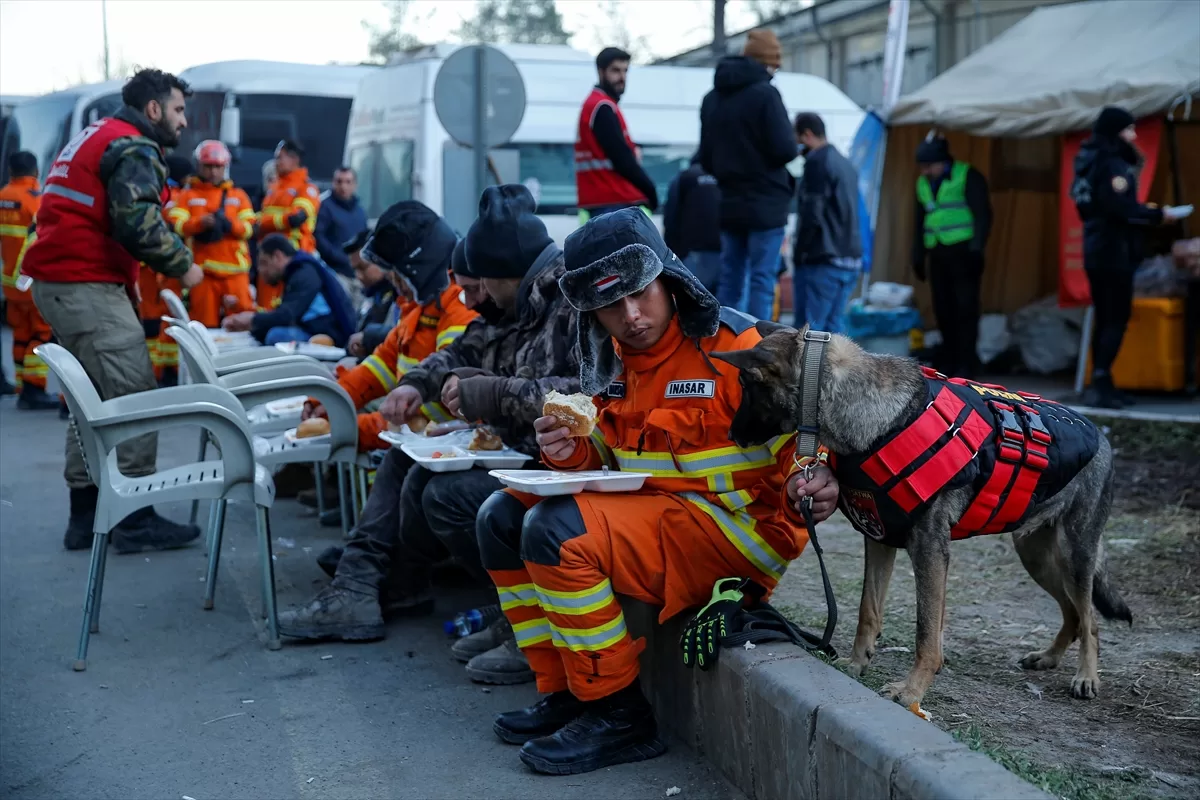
<point x="52" y="44"/>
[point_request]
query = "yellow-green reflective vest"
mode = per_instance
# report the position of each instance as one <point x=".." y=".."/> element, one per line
<point x="947" y="219"/>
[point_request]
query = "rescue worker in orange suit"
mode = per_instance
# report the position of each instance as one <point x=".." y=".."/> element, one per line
<point x="608" y="169"/>
<point x="710" y="509"/>
<point x="19" y="201"/>
<point x="164" y="351"/>
<point x="291" y="209"/>
<point x="217" y="219"/>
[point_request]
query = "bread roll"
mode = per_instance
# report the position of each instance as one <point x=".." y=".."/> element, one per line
<point x="576" y="412"/>
<point x="316" y="426"/>
<point x="321" y="338"/>
<point x="485" y="440"/>
<point x="418" y="424"/>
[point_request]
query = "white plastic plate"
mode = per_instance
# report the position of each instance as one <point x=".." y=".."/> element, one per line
<point x="292" y="438"/>
<point x="549" y="483"/>
<point x="321" y="352"/>
<point x="505" y="458"/>
<point x="450" y="458"/>
<point x="286" y="406"/>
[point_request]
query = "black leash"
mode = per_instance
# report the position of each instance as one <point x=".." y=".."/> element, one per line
<point x="761" y="622"/>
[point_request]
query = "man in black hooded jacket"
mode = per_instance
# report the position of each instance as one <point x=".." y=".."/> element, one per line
<point x="1105" y="192"/>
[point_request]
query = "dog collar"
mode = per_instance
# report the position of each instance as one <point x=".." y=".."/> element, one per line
<point x="812" y="361"/>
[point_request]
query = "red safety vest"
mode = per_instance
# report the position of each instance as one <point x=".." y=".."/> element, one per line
<point x="1013" y="448"/>
<point x="596" y="183"/>
<point x="74" y="233"/>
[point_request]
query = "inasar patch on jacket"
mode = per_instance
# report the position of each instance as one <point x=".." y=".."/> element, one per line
<point x="687" y="388"/>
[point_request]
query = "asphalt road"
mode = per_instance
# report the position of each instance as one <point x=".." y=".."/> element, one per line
<point x="181" y="702"/>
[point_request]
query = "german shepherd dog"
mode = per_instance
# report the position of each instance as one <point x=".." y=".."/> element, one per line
<point x="863" y="397"/>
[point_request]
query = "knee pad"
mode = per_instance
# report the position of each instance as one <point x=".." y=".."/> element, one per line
<point x="547" y="526"/>
<point x="498" y="531"/>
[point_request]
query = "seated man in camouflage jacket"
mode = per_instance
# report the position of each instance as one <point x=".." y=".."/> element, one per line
<point x="496" y="373"/>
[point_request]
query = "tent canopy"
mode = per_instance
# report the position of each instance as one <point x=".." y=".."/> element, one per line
<point x="1052" y="72"/>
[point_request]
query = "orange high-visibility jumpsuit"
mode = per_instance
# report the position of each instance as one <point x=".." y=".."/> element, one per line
<point x="422" y="331"/>
<point x="19" y="202"/>
<point x="226" y="262"/>
<point x="164" y="351"/>
<point x="292" y="192"/>
<point x="710" y="510"/>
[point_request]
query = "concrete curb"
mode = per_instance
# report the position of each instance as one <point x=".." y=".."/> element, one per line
<point x="780" y="723"/>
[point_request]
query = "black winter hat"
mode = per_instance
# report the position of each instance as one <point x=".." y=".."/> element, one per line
<point x="411" y="240"/>
<point x="507" y="237"/>
<point x="934" y="150"/>
<point x="458" y="260"/>
<point x="178" y="168"/>
<point x="1112" y="120"/>
<point x="355" y="244"/>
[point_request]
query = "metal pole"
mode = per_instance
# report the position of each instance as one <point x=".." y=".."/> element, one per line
<point x="480" y="131"/>
<point x="718" y="42"/>
<point x="104" y="21"/>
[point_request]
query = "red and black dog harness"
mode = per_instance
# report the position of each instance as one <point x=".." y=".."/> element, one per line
<point x="1014" y="448"/>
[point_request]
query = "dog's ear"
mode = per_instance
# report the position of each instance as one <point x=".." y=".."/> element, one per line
<point x="766" y="327"/>
<point x="745" y="359"/>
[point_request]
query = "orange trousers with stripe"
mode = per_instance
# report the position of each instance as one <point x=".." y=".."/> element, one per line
<point x="29" y="331"/>
<point x="559" y="562"/>
<point x="206" y="302"/>
<point x="164" y="351"/>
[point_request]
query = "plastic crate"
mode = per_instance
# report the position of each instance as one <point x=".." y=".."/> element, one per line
<point x="1152" y="353"/>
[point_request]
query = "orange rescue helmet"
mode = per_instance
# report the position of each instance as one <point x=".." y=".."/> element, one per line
<point x="211" y="151"/>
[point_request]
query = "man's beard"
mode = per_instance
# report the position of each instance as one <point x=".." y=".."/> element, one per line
<point x="491" y="313"/>
<point x="613" y="90"/>
<point x="167" y="136"/>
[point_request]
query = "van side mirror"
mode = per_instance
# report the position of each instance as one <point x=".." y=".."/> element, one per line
<point x="231" y="126"/>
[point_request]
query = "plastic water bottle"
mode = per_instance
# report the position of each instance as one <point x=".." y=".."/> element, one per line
<point x="473" y="621"/>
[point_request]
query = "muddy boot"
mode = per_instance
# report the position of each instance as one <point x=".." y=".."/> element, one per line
<point x="480" y="642"/>
<point x="504" y="665"/>
<point x="617" y="729"/>
<point x="404" y="596"/>
<point x="328" y="560"/>
<point x="83" y="514"/>
<point x="1102" y="394"/>
<point x="34" y="398"/>
<point x="335" y="613"/>
<point x="543" y="718"/>
<point x="146" y="530"/>
<point x="290" y="480"/>
<point x="332" y="518"/>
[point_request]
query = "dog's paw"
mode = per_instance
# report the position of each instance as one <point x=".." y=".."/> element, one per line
<point x="1040" y="659"/>
<point x="1085" y="687"/>
<point x="901" y="693"/>
<point x="851" y="667"/>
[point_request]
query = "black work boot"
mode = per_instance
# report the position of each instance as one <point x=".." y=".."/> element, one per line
<point x="335" y="613"/>
<point x="503" y="665"/>
<point x="1102" y="393"/>
<point x="146" y="530"/>
<point x="328" y="560"/>
<point x="34" y="398"/>
<point x="293" y="478"/>
<point x="405" y="598"/>
<point x="332" y="518"/>
<point x="543" y="718"/>
<point x="617" y="729"/>
<point x="83" y="515"/>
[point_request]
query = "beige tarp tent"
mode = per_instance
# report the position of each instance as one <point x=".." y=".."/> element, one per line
<point x="1005" y="109"/>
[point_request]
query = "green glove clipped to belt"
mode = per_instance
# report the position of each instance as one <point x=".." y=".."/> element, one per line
<point x="701" y="640"/>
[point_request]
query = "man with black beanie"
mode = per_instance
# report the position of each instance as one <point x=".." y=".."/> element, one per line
<point x="495" y="373"/>
<point x="1105" y="192"/>
<point x="952" y="221"/>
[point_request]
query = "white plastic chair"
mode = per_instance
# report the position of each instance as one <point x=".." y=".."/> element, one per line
<point x="262" y="385"/>
<point x="174" y="304"/>
<point x="102" y="425"/>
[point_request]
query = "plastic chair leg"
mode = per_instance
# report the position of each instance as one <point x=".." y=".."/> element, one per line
<point x="91" y="599"/>
<point x="352" y="470"/>
<point x="268" y="577"/>
<point x="203" y="450"/>
<point x="95" y="620"/>
<point x="319" y="477"/>
<point x="364" y="490"/>
<point x="343" y="495"/>
<point x="216" y="528"/>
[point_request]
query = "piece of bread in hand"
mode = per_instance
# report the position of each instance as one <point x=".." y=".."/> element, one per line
<point x="322" y="338"/>
<point x="316" y="426"/>
<point x="485" y="440"/>
<point x="418" y="424"/>
<point x="576" y="412"/>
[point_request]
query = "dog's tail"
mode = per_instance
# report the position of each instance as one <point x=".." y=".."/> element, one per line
<point x="1106" y="599"/>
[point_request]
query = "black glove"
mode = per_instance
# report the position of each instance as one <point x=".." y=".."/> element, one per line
<point x="210" y="234"/>
<point x="222" y="224"/>
<point x="297" y="218"/>
<point x="701" y="640"/>
<point x="919" y="270"/>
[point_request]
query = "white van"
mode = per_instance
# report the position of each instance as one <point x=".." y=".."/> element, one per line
<point x="252" y="105"/>
<point x="43" y="125"/>
<point x="399" y="147"/>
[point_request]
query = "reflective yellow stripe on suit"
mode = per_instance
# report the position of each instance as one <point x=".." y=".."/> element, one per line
<point x="702" y="464"/>
<point x="739" y="529"/>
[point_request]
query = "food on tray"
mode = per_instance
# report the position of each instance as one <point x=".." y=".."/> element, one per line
<point x="485" y="440"/>
<point x="576" y="412"/>
<point x="418" y="424"/>
<point x="440" y="454"/>
<point x="442" y="428"/>
<point x="322" y="339"/>
<point x="316" y="426"/>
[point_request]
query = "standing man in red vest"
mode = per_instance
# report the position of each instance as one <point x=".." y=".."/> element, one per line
<point x="608" y="170"/>
<point x="102" y="213"/>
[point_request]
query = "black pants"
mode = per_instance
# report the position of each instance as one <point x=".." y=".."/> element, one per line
<point x="955" y="280"/>
<point x="1112" y="299"/>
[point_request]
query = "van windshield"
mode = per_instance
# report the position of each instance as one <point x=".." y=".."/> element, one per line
<point x="549" y="171"/>
<point x="318" y="123"/>
<point x="384" y="171"/>
<point x="43" y="126"/>
<point x="203" y="121"/>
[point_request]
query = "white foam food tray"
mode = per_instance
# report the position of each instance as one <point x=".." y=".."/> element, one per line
<point x="549" y="483"/>
<point x="286" y="406"/>
<point x="304" y="441"/>
<point x="499" y="459"/>
<point x="321" y="352"/>
<point x="444" y="457"/>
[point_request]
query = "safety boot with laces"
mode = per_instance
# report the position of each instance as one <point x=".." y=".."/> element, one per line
<point x="480" y="642"/>
<point x="617" y="729"/>
<point x="543" y="718"/>
<point x="503" y="665"/>
<point x="335" y="613"/>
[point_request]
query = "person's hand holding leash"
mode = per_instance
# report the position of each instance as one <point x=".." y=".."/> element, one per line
<point x="822" y="487"/>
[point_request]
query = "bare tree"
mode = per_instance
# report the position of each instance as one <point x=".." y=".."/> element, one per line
<point x="617" y="33"/>
<point x="767" y="10"/>
<point x="528" y="21"/>
<point x="398" y="35"/>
